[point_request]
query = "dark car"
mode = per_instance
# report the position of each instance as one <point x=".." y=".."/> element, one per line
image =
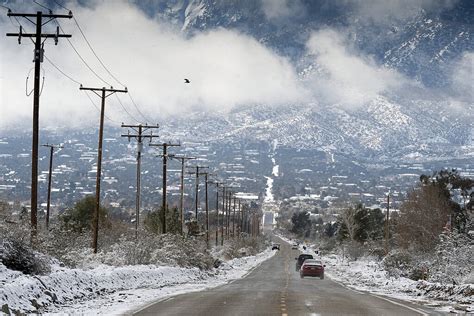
<point x="301" y="259"/>
<point x="313" y="268"/>
<point x="276" y="247"/>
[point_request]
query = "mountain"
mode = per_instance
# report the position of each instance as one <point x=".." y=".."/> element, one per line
<point x="420" y="44"/>
<point x="423" y="45"/>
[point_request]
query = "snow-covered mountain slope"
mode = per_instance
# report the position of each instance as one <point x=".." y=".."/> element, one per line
<point x="383" y="127"/>
<point x="420" y="44"/>
<point x="423" y="46"/>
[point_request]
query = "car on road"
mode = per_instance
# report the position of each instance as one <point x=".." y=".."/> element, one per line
<point x="294" y="246"/>
<point x="313" y="268"/>
<point x="301" y="258"/>
<point x="276" y="247"/>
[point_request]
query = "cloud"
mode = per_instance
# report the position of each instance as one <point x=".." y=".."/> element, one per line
<point x="382" y="11"/>
<point x="344" y="77"/>
<point x="226" y="69"/>
<point x="463" y="77"/>
<point x="276" y="9"/>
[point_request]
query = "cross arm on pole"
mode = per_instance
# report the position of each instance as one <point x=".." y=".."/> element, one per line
<point x="111" y="89"/>
<point x="42" y="35"/>
<point x="32" y="15"/>
<point x="164" y="145"/>
<point x="52" y="146"/>
<point x="143" y="126"/>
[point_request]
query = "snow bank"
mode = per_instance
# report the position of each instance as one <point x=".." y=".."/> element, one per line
<point x="107" y="289"/>
<point x="368" y="275"/>
<point x="463" y="294"/>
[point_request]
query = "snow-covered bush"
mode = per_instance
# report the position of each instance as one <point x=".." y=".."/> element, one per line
<point x="244" y="246"/>
<point x="454" y="258"/>
<point x="402" y="263"/>
<point x="16" y="255"/>
<point x="148" y="249"/>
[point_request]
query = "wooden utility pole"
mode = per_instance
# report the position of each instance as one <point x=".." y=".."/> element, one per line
<point x="37" y="39"/>
<point x="139" y="136"/>
<point x="206" y="175"/>
<point x="165" y="166"/>
<point x="217" y="210"/>
<point x="233" y="218"/>
<point x="229" y="207"/>
<point x="239" y="221"/>
<point x="223" y="213"/>
<point x="181" y="199"/>
<point x="387" y="226"/>
<point x="48" y="202"/>
<point x="105" y="92"/>
<point x="196" y="201"/>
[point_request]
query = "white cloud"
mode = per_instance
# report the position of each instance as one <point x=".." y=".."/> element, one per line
<point x="275" y="9"/>
<point x="463" y="77"/>
<point x="382" y="11"/>
<point x="345" y="77"/>
<point x="226" y="69"/>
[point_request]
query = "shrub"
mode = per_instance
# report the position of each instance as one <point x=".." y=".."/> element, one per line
<point x="15" y="255"/>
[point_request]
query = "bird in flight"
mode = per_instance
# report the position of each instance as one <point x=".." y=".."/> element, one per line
<point x="186" y="80"/>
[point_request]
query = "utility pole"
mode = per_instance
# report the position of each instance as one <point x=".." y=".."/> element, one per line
<point x="196" y="202"/>
<point x="387" y="226"/>
<point x="37" y="59"/>
<point x="48" y="203"/>
<point x="223" y="214"/>
<point x="217" y="210"/>
<point x="239" y="221"/>
<point x="105" y="92"/>
<point x="229" y="207"/>
<point x="207" y="209"/>
<point x="181" y="200"/>
<point x="139" y="136"/>
<point x="165" y="163"/>
<point x="233" y="219"/>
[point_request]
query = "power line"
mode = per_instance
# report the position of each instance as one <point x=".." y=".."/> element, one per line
<point x="136" y="107"/>
<point x="61" y="5"/>
<point x="101" y="63"/>
<point x="123" y="107"/>
<point x="44" y="7"/>
<point x="62" y="72"/>
<point x="97" y="108"/>
<point x="82" y="59"/>
<point x="1" y="5"/>
<point x="107" y="69"/>
<point x="95" y="54"/>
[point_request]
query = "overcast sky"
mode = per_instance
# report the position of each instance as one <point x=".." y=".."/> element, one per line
<point x="226" y="68"/>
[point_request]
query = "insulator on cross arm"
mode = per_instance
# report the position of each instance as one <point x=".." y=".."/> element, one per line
<point x="20" y="34"/>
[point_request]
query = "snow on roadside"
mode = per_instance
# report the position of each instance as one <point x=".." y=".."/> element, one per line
<point x="112" y="290"/>
<point x="368" y="275"/>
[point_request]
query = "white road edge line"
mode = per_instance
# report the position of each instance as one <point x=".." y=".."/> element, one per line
<point x="400" y="304"/>
<point x="383" y="298"/>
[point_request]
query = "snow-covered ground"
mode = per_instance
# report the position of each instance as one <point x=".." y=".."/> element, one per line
<point x="112" y="290"/>
<point x="368" y="275"/>
<point x="268" y="191"/>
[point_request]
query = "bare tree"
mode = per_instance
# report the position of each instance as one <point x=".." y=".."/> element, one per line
<point x="350" y="222"/>
<point x="423" y="216"/>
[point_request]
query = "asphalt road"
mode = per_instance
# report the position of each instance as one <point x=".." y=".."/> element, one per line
<point x="275" y="288"/>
